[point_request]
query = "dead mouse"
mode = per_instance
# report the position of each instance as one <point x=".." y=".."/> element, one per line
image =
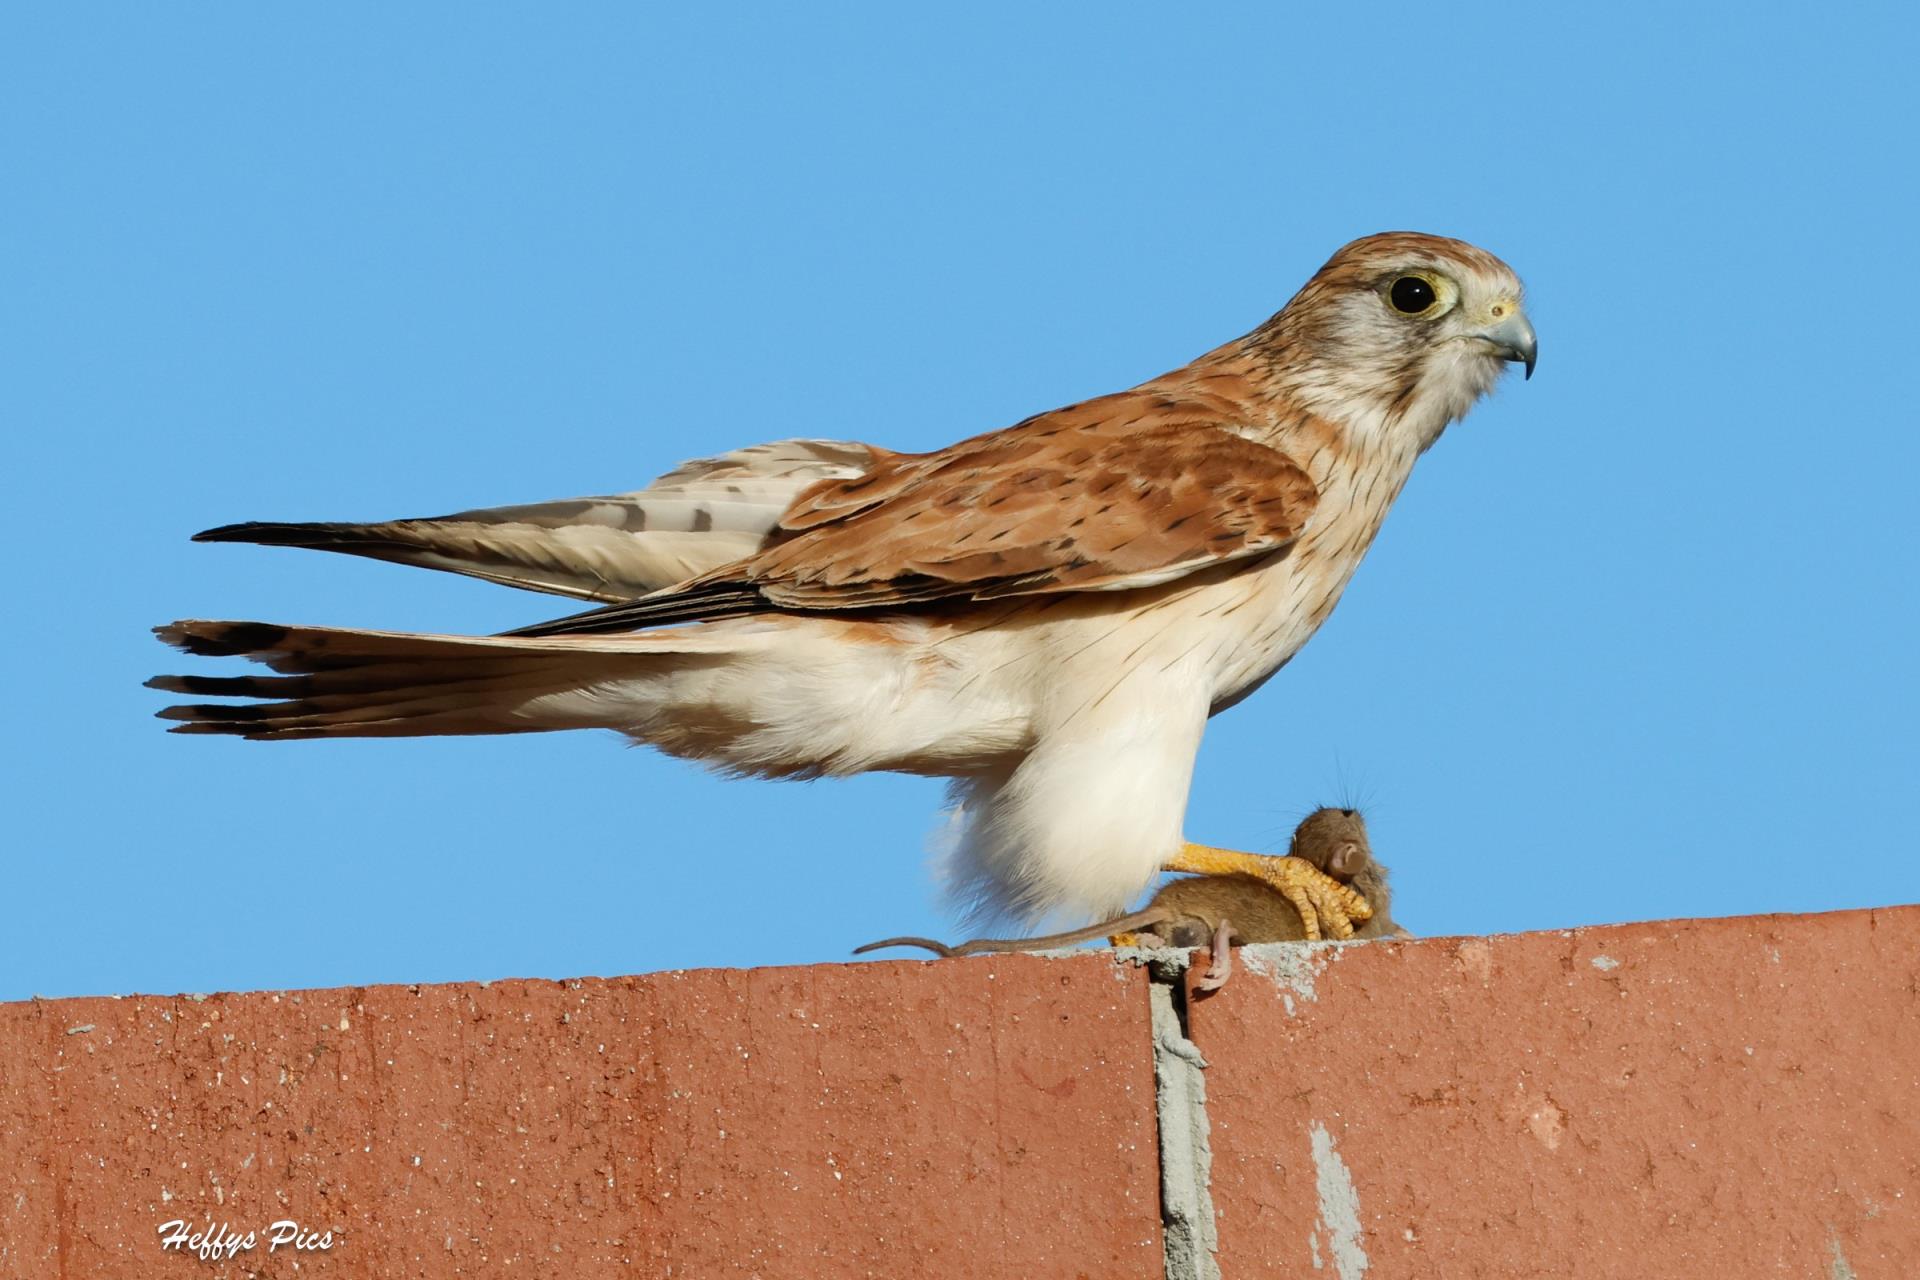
<point x="1218" y="911"/>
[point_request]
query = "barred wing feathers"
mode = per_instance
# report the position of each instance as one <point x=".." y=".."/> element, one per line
<point x="703" y="514"/>
<point x="1111" y="505"/>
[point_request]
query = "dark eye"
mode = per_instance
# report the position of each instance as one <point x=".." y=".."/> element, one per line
<point x="1410" y="294"/>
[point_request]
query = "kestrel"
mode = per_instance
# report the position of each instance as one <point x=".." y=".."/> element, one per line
<point x="1046" y="614"/>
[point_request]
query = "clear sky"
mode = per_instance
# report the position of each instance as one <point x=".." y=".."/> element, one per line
<point x="1638" y="641"/>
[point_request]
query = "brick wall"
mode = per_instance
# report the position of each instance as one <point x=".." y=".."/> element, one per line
<point x="1688" y="1099"/>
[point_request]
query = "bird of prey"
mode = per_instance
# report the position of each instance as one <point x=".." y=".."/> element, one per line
<point x="1046" y="614"/>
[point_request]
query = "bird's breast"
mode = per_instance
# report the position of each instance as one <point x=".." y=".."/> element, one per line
<point x="1272" y="609"/>
<point x="1216" y="635"/>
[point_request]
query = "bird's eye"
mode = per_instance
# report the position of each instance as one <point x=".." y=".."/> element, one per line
<point x="1411" y="295"/>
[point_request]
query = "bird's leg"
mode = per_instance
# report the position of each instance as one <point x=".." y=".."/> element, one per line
<point x="1222" y="966"/>
<point x="1314" y="894"/>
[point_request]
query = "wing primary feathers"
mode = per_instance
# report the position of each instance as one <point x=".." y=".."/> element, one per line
<point x="603" y="548"/>
<point x="269" y="533"/>
<point x="701" y="604"/>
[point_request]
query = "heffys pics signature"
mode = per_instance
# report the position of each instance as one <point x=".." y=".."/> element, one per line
<point x="212" y="1242"/>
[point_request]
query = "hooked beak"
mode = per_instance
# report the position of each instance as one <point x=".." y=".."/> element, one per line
<point x="1512" y="337"/>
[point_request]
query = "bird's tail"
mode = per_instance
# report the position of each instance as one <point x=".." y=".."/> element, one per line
<point x="336" y="683"/>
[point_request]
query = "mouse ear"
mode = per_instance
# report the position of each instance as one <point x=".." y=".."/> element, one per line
<point x="1346" y="859"/>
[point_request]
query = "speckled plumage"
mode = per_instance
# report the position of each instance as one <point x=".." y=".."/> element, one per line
<point x="1047" y="613"/>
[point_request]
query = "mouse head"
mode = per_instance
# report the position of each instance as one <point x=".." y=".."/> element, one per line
<point x="1335" y="840"/>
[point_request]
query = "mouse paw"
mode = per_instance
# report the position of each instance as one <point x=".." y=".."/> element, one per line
<point x="1222" y="966"/>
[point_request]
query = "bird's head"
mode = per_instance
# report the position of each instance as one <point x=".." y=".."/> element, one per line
<point x="1401" y="332"/>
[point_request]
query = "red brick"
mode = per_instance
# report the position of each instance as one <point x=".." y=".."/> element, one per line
<point x="987" y="1118"/>
<point x="1724" y="1098"/>
<point x="32" y="1195"/>
<point x="1685" y="1099"/>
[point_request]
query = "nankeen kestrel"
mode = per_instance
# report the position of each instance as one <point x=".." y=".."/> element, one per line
<point x="1047" y="614"/>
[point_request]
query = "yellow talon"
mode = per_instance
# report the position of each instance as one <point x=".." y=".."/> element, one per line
<point x="1313" y="893"/>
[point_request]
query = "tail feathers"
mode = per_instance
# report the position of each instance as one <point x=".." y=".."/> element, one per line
<point x="298" y="650"/>
<point x="362" y="716"/>
<point x="367" y="678"/>
<point x="389" y="695"/>
<point x="346" y="683"/>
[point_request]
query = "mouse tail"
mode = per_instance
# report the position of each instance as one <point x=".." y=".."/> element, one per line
<point x="938" y="948"/>
<point x="1142" y="919"/>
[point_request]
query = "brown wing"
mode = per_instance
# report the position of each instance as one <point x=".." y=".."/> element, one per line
<point x="1086" y="499"/>
<point x="701" y="515"/>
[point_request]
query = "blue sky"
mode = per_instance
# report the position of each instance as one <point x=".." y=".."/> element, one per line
<point x="1636" y="642"/>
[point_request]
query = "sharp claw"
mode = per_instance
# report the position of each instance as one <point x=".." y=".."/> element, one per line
<point x="1309" y="918"/>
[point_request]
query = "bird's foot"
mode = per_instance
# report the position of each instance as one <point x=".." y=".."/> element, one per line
<point x="1322" y="901"/>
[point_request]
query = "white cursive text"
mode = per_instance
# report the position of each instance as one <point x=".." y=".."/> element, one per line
<point x="212" y="1242"/>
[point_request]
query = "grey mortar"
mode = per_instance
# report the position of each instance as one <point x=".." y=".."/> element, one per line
<point x="1180" y="1099"/>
